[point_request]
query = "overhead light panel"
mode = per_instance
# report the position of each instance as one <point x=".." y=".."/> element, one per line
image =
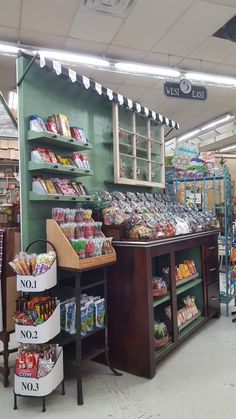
<point x="147" y="69"/>
<point x="211" y="78"/>
<point x="231" y="147"/>
<point x="188" y="135"/>
<point x="217" y="122"/>
<point x="10" y="49"/>
<point x="75" y="58"/>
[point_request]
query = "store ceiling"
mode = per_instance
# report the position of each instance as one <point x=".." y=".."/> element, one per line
<point x="165" y="32"/>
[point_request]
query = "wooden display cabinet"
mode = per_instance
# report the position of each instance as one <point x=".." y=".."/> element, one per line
<point x="133" y="309"/>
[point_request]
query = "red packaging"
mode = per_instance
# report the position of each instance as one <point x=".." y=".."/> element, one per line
<point x="51" y="126"/>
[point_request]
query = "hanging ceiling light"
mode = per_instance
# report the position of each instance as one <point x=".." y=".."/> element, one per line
<point x="231" y="147"/>
<point x="147" y="70"/>
<point x="211" y="79"/>
<point x="75" y="58"/>
<point x="211" y="125"/>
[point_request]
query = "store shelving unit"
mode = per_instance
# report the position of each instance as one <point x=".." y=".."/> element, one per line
<point x="219" y="188"/>
<point x="131" y="286"/>
<point x="40" y="387"/>
<point x="70" y="264"/>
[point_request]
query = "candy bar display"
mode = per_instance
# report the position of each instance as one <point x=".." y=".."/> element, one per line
<point x="185" y="270"/>
<point x="161" y="334"/>
<point x="84" y="234"/>
<point x="92" y="314"/>
<point x="34" y="310"/>
<point x="186" y="313"/>
<point x="153" y="216"/>
<point x="58" y="124"/>
<point x="33" y="264"/>
<point x="46" y="155"/>
<point x="35" y="361"/>
<point x="58" y="186"/>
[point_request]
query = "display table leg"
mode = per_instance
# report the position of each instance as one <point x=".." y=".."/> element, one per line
<point x="78" y="339"/>
<point x="5" y="354"/>
<point x="63" y="388"/>
<point x="15" y="401"/>
<point x="117" y="373"/>
<point x="44" y="404"/>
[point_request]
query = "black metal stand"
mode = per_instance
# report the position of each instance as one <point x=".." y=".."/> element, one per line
<point x="78" y="339"/>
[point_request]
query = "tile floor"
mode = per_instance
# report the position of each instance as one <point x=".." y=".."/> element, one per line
<point x="198" y="381"/>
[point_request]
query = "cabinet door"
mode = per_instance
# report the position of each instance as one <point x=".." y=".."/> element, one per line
<point x="213" y="296"/>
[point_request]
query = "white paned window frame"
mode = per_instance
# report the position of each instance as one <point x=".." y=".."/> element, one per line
<point x="150" y="160"/>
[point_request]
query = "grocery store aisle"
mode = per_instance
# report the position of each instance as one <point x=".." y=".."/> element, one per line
<point x="197" y="381"/>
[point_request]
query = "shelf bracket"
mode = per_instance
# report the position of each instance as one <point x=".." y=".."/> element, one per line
<point x="27" y="69"/>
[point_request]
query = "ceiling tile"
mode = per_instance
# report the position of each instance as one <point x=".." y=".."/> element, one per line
<point x="153" y="100"/>
<point x="10" y="13"/>
<point x="40" y="39"/>
<point x="195" y="65"/>
<point x="132" y="92"/>
<point x="140" y="81"/>
<point x="8" y="61"/>
<point x="95" y="26"/>
<point x="199" y="22"/>
<point x="159" y="16"/>
<point x="122" y="53"/>
<point x="161" y="59"/>
<point x="228" y="70"/>
<point x="80" y="45"/>
<point x="223" y="2"/>
<point x="214" y="49"/>
<point x="51" y="17"/>
<point x="231" y="60"/>
<point x="8" y="34"/>
<point x="223" y="92"/>
<point x="104" y="77"/>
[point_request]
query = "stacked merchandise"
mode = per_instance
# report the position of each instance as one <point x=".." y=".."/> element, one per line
<point x="32" y="264"/>
<point x="35" y="361"/>
<point x="188" y="312"/>
<point x="84" y="234"/>
<point x="46" y="155"/>
<point x="58" y="124"/>
<point x="92" y="314"/>
<point x="185" y="270"/>
<point x="57" y="186"/>
<point x="161" y="334"/>
<point x="34" y="310"/>
<point x="148" y="216"/>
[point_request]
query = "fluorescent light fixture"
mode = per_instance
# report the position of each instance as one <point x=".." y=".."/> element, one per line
<point x="147" y="69"/>
<point x="75" y="58"/>
<point x="188" y="135"/>
<point x="211" y="78"/>
<point x="13" y="100"/>
<point x="10" y="49"/>
<point x="231" y="147"/>
<point x="219" y="121"/>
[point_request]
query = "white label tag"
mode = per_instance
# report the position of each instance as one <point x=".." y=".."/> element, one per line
<point x="130" y="103"/>
<point x="42" y="61"/>
<point x="146" y="111"/>
<point x="72" y="75"/>
<point x="57" y="67"/>
<point x="98" y="88"/>
<point x="86" y="82"/>
<point x="120" y="99"/>
<point x="110" y="94"/>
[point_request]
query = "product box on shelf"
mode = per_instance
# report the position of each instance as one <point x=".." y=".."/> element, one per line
<point x="39" y="387"/>
<point x="67" y="256"/>
<point x="38" y="283"/>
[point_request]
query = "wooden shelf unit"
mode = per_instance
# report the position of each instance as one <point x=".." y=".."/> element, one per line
<point x="132" y="307"/>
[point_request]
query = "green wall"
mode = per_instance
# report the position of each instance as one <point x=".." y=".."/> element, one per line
<point x="43" y="92"/>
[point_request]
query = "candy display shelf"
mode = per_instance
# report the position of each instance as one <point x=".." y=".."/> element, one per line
<point x="190" y="321"/>
<point x="58" y="168"/>
<point x="33" y="196"/>
<point x="160" y="300"/>
<point x="188" y="285"/>
<point x="67" y="256"/>
<point x="131" y="286"/>
<point x="29" y="386"/>
<point x="56" y="140"/>
<point x="191" y="326"/>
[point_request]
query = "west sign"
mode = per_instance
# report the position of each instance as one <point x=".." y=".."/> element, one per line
<point x="185" y="90"/>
